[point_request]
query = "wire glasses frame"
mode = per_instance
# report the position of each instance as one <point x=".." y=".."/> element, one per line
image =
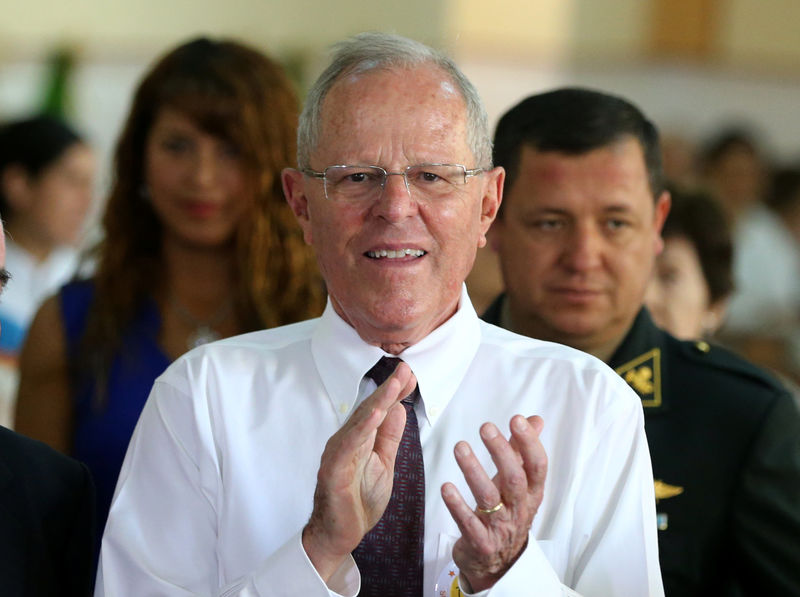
<point x="366" y="183"/>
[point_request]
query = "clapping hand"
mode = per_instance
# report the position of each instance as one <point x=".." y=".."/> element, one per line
<point x="354" y="482"/>
<point x="496" y="532"/>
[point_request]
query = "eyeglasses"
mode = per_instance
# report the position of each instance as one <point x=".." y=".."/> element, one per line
<point x="366" y="183"/>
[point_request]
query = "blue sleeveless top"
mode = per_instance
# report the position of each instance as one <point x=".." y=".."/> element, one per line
<point x="103" y="426"/>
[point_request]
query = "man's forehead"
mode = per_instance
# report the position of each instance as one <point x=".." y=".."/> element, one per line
<point x="612" y="177"/>
<point x="404" y="77"/>
<point x="622" y="158"/>
<point x="419" y="109"/>
<point x="419" y="90"/>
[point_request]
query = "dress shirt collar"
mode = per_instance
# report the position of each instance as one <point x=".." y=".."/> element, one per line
<point x="440" y="360"/>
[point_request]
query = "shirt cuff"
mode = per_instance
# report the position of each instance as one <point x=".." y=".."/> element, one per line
<point x="531" y="574"/>
<point x="289" y="572"/>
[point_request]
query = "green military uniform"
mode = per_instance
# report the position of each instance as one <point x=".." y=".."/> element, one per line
<point x="724" y="441"/>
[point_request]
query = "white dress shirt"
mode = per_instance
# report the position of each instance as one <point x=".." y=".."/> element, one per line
<point x="219" y="478"/>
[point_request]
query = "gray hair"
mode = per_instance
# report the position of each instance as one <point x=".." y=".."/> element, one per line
<point x="370" y="51"/>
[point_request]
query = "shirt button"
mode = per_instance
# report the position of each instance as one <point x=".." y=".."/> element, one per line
<point x="343" y="408"/>
<point x="435" y="410"/>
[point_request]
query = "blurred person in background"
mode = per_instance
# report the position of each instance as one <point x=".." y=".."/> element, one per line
<point x="46" y="177"/>
<point x="688" y="292"/>
<point x="763" y="320"/>
<point x="733" y="168"/>
<point x="764" y="311"/>
<point x="198" y="244"/>
<point x="46" y="513"/>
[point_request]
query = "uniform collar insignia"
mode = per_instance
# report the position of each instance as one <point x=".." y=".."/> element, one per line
<point x="643" y="374"/>
<point x="665" y="490"/>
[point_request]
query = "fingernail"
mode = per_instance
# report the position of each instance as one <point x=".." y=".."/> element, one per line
<point x="488" y="431"/>
<point x="520" y="424"/>
<point x="462" y="449"/>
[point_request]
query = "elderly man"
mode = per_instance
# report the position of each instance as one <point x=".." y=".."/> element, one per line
<point x="577" y="238"/>
<point x="284" y="462"/>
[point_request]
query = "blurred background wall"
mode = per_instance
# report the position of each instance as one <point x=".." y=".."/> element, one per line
<point x="693" y="65"/>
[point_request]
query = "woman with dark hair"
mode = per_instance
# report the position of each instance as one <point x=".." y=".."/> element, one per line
<point x="693" y="278"/>
<point x="198" y="244"/>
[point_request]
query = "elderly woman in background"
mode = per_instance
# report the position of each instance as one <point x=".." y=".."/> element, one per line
<point x="46" y="178"/>
<point x="688" y="293"/>
<point x="198" y="244"/>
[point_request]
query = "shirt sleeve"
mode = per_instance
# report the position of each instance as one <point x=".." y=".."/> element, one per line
<point x="161" y="534"/>
<point x="767" y="506"/>
<point x="615" y="535"/>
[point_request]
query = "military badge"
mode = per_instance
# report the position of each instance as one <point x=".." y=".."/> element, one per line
<point x="665" y="491"/>
<point x="643" y="374"/>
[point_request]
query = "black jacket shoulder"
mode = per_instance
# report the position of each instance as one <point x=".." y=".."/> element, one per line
<point x="729" y="364"/>
<point x="46" y="520"/>
<point x="667" y="372"/>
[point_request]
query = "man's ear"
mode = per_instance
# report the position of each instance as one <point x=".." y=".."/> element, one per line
<point x="16" y="186"/>
<point x="490" y="203"/>
<point x="293" y="182"/>
<point x="663" y="204"/>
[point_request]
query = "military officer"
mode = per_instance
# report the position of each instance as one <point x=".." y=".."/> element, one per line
<point x="577" y="235"/>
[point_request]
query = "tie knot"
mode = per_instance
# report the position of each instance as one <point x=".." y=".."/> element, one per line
<point x="381" y="371"/>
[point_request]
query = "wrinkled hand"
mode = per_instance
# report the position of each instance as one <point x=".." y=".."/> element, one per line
<point x="491" y="543"/>
<point x="354" y="482"/>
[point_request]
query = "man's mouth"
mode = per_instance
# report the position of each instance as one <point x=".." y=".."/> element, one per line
<point x="395" y="254"/>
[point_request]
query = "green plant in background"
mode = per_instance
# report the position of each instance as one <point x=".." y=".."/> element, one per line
<point x="56" y="99"/>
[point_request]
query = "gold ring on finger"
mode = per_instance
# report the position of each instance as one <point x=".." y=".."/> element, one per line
<point x="499" y="506"/>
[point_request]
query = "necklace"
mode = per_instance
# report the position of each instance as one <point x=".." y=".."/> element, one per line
<point x="204" y="331"/>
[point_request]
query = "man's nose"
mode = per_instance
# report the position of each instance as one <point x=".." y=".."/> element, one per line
<point x="396" y="201"/>
<point x="400" y="176"/>
<point x="584" y="248"/>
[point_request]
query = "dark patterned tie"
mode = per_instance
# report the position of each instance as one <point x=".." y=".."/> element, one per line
<point x="390" y="556"/>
